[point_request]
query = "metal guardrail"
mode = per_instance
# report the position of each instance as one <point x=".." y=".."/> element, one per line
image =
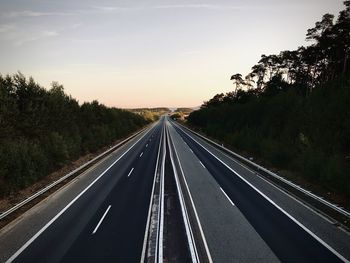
<point x="263" y="169"/>
<point x="74" y="172"/>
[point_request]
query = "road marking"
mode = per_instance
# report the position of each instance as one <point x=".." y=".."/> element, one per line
<point x="141" y="154"/>
<point x="194" y="207"/>
<point x="103" y="217"/>
<point x="191" y="150"/>
<point x="132" y="169"/>
<point x="273" y="203"/>
<point x="185" y="216"/>
<point x="146" y="145"/>
<point x="143" y="255"/>
<point x="222" y="190"/>
<point x="202" y="164"/>
<point x="19" y="251"/>
<point x="160" y="245"/>
<point x="299" y="188"/>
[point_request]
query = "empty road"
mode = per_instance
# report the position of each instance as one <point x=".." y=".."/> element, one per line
<point x="103" y="215"/>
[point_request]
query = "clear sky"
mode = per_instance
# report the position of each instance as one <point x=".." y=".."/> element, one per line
<point x="152" y="52"/>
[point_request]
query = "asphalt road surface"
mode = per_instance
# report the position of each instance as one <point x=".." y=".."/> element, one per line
<point x="102" y="215"/>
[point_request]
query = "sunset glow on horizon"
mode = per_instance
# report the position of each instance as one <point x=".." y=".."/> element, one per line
<point x="133" y="54"/>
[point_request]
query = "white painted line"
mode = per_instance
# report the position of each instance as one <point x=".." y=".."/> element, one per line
<point x="141" y="154"/>
<point x="132" y="169"/>
<point x="274" y="204"/>
<point x="305" y="205"/>
<point x="103" y="217"/>
<point x="150" y="206"/>
<point x="194" y="207"/>
<point x="189" y="232"/>
<point x="146" y="145"/>
<point x="19" y="251"/>
<point x="305" y="191"/>
<point x="160" y="244"/>
<point x="45" y="189"/>
<point x="222" y="190"/>
<point x="202" y="164"/>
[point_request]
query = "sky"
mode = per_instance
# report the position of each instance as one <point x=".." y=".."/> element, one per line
<point x="149" y="53"/>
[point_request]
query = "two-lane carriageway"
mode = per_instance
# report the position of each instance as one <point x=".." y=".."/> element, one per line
<point x="106" y="221"/>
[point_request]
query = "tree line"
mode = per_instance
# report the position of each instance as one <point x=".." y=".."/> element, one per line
<point x="292" y="109"/>
<point x="41" y="130"/>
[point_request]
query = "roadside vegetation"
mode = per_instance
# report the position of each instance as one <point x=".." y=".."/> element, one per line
<point x="151" y="114"/>
<point x="181" y="113"/>
<point x="293" y="109"/>
<point x="42" y="130"/>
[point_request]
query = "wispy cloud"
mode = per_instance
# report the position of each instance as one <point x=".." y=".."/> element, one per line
<point x="6" y="28"/>
<point x="109" y="8"/>
<point x="40" y="35"/>
<point x="198" y="6"/>
<point x="30" y="13"/>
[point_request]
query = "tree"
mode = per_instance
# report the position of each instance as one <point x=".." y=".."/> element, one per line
<point x="259" y="71"/>
<point x="249" y="80"/>
<point x="237" y="80"/>
<point x="41" y="130"/>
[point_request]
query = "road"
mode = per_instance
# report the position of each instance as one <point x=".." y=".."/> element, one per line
<point x="250" y="215"/>
<point x="107" y="222"/>
<point x="102" y="216"/>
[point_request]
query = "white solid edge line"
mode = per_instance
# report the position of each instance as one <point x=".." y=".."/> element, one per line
<point x="278" y="207"/>
<point x="143" y="254"/>
<point x="228" y="198"/>
<point x="301" y="189"/>
<point x="194" y="207"/>
<point x="280" y="189"/>
<point x="185" y="217"/>
<point x="100" y="222"/>
<point x="141" y="154"/>
<point x="43" y="190"/>
<point x="132" y="169"/>
<point x="161" y="222"/>
<point x="202" y="164"/>
<point x="156" y="255"/>
<point x="19" y="251"/>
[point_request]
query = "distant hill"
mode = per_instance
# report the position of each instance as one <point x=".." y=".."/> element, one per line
<point x="184" y="110"/>
<point x="159" y="109"/>
<point x="151" y="114"/>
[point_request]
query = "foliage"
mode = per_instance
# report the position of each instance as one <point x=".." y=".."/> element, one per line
<point x="41" y="130"/>
<point x="294" y="110"/>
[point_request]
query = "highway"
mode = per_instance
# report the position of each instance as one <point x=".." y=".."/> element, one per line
<point x="106" y="223"/>
<point x="229" y="213"/>
<point x="254" y="227"/>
